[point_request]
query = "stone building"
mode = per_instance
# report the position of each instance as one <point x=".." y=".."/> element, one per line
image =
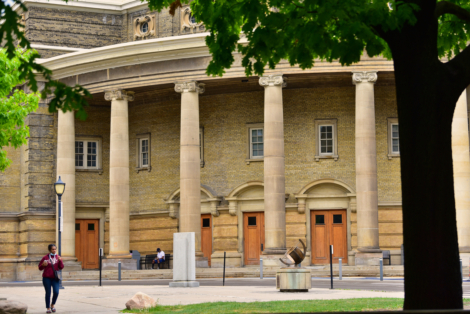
<point x="249" y="164"/>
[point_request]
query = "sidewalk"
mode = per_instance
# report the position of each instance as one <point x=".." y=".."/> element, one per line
<point x="112" y="299"/>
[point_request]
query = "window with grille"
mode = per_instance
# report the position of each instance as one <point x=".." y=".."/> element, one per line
<point x="326" y="139"/>
<point x="395" y="138"/>
<point x="256" y="143"/>
<point x="86" y="154"/>
<point x="144" y="152"/>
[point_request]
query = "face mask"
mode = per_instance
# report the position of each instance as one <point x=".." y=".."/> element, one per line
<point x="52" y="254"/>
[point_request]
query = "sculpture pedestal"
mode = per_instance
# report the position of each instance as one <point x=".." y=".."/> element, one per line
<point x="293" y="279"/>
<point x="184" y="260"/>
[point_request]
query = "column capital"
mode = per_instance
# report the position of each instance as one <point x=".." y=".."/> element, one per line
<point x="118" y="94"/>
<point x="272" y="80"/>
<point x="189" y="86"/>
<point x="364" y="76"/>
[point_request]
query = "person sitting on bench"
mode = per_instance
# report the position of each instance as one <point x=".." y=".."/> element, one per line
<point x="160" y="258"/>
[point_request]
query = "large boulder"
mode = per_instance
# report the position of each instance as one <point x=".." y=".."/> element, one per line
<point x="140" y="301"/>
<point x="12" y="307"/>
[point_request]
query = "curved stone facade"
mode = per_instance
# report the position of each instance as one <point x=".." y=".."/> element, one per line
<point x="229" y="179"/>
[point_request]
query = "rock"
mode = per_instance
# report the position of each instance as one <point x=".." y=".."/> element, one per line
<point x="12" y="307"/>
<point x="139" y="301"/>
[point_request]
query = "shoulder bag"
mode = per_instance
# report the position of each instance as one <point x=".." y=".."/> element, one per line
<point x="56" y="273"/>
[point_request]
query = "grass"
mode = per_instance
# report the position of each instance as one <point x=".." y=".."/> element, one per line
<point x="298" y="306"/>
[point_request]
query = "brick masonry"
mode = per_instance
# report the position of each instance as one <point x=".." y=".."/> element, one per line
<point x="26" y="187"/>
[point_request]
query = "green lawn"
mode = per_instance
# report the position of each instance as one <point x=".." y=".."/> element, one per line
<point x="299" y="306"/>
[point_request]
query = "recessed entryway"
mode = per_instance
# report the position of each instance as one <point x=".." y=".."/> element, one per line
<point x="253" y="234"/>
<point x="206" y="236"/>
<point x="329" y="228"/>
<point x="87" y="242"/>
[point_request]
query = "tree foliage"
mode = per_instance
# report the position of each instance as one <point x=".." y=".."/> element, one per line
<point x="22" y="68"/>
<point x="305" y="31"/>
<point x="15" y="104"/>
<point x="63" y="97"/>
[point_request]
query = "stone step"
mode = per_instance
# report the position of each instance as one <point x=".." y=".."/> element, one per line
<point x="248" y="272"/>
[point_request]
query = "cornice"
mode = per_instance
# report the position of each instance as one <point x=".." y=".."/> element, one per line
<point x="126" y="54"/>
<point x="176" y="48"/>
<point x="109" y="7"/>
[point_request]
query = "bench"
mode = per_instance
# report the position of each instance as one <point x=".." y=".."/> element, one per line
<point x="386" y="255"/>
<point x="146" y="262"/>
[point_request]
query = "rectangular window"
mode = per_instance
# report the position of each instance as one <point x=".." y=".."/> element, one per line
<point x="144" y="152"/>
<point x="201" y="146"/>
<point x="79" y="154"/>
<point x="143" y="158"/>
<point x="91" y="154"/>
<point x="395" y="139"/>
<point x="86" y="154"/>
<point x="319" y="219"/>
<point x="326" y="139"/>
<point x="256" y="143"/>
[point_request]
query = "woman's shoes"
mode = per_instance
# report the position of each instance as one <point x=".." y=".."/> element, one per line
<point x="53" y="310"/>
<point x="48" y="311"/>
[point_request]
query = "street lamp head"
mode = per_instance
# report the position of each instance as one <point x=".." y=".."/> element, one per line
<point x="59" y="187"/>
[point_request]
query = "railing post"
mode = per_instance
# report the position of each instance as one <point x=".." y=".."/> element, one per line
<point x="381" y="269"/>
<point x="340" y="269"/>
<point x="260" y="268"/>
<point x="119" y="271"/>
<point x="223" y="281"/>
<point x="331" y="265"/>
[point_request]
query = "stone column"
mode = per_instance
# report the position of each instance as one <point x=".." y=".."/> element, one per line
<point x="66" y="170"/>
<point x="461" y="161"/>
<point x="366" y="171"/>
<point x="119" y="177"/>
<point x="274" y="176"/>
<point x="190" y="163"/>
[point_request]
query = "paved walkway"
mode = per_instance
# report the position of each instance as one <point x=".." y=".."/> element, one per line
<point x="111" y="299"/>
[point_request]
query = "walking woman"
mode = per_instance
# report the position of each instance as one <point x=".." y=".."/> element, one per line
<point x="50" y="264"/>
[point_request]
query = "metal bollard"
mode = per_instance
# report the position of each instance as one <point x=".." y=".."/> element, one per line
<point x="340" y="269"/>
<point x="119" y="271"/>
<point x="381" y="269"/>
<point x="260" y="268"/>
<point x="225" y="255"/>
<point x="461" y="269"/>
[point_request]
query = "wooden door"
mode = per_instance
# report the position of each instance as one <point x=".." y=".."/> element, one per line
<point x="253" y="233"/>
<point x="206" y="236"/>
<point x="328" y="227"/>
<point x="87" y="242"/>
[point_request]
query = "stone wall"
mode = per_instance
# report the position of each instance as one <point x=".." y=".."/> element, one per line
<point x="10" y="182"/>
<point x="69" y="28"/>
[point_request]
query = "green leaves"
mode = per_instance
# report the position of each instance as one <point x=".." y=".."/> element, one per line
<point x="64" y="97"/>
<point x="19" y="67"/>
<point x="300" y="31"/>
<point x="15" y="104"/>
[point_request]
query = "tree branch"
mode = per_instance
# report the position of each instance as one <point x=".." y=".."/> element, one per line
<point x="459" y="69"/>
<point x="445" y="7"/>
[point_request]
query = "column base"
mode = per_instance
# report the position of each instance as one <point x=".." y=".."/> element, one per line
<point x="271" y="257"/>
<point x="184" y="284"/>
<point x="368" y="259"/>
<point x="126" y="263"/>
<point x="293" y="279"/>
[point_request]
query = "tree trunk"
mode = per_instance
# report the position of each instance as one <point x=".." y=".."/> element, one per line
<point x="426" y="99"/>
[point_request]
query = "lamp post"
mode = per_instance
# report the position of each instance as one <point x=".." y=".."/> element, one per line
<point x="59" y="188"/>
